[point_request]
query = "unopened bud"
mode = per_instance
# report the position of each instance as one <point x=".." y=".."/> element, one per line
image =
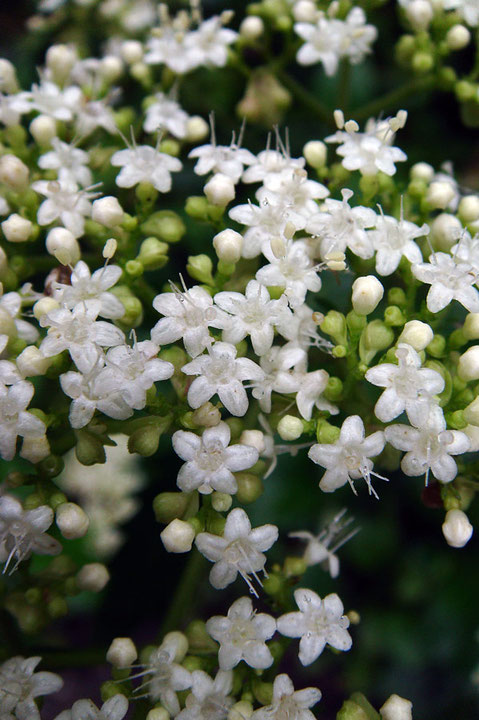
<point x="228" y="245"/>
<point x="251" y="28"/>
<point x="31" y="362"/>
<point x="305" y="11"/>
<point x="44" y="306"/>
<point x="207" y="415"/>
<point x="13" y="172"/>
<point x="153" y="253"/>
<point x="367" y="294"/>
<point x="419" y="13"/>
<point x="253" y="438"/>
<point x="16" y="228"/>
<point x="250" y="487"/>
<point x="220" y="190"/>
<point x="107" y="211"/>
<point x="457" y="529"/>
<point x="158" y="713"/>
<point x="315" y="153"/>
<point x="122" y="652"/>
<point x="111" y="68"/>
<point x="221" y="502"/>
<point x="179" y="641"/>
<point x="8" y="77"/>
<point x="63" y="245"/>
<point x="290" y="427"/>
<point x="471" y="326"/>
<point x="417" y="334"/>
<point x="422" y="171"/>
<point x="440" y="194"/>
<point x="458" y="37"/>
<point x="7" y="324"/>
<point x="35" y="449"/>
<point x="93" y="577"/>
<point x="60" y="60"/>
<point x="446" y="229"/>
<point x="131" y="51"/>
<point x="72" y="520"/>
<point x="200" y="268"/>
<point x="43" y="129"/>
<point x="196" y="129"/>
<point x="396" y="708"/>
<point x="468" y="366"/>
<point x="468" y="209"/>
<point x="178" y="536"/>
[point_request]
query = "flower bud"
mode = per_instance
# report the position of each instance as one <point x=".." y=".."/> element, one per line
<point x="166" y="225"/>
<point x="196" y="129"/>
<point x="396" y="708"/>
<point x="131" y="51"/>
<point x="315" y="153"/>
<point x="158" y="713"/>
<point x="207" y="415"/>
<point x="16" y="228"/>
<point x="290" y="427"/>
<point x="200" y="267"/>
<point x="221" y="502"/>
<point x="458" y="37"/>
<point x="250" y="487"/>
<point x="43" y="129"/>
<point x="35" y="449"/>
<point x="111" y="68"/>
<point x="376" y="336"/>
<point x="367" y="294"/>
<point x="72" y="521"/>
<point x="7" y="324"/>
<point x="107" y="211"/>
<point x="142" y="72"/>
<point x="228" y="245"/>
<point x="170" y="505"/>
<point x="60" y="60"/>
<point x="305" y="11"/>
<point x="13" y="172"/>
<point x="122" y="652"/>
<point x="334" y="324"/>
<point x="471" y="326"/>
<point x="178" y="536"/>
<point x="446" y="229"/>
<point x="8" y="77"/>
<point x="468" y="366"/>
<point x="180" y="642"/>
<point x="241" y="710"/>
<point x="153" y="253"/>
<point x="253" y="438"/>
<point x="63" y="245"/>
<point x="31" y="362"/>
<point x="440" y="194"/>
<point x="471" y="412"/>
<point x="417" y="334"/>
<point x="468" y="209"/>
<point x="93" y="577"/>
<point x="251" y="28"/>
<point x="422" y="171"/>
<point x="44" y="306"/>
<point x="419" y="13"/>
<point x="220" y="190"/>
<point x="457" y="529"/>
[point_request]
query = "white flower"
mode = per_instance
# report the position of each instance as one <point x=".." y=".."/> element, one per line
<point x="339" y="226"/>
<point x="188" y="315"/>
<point x="242" y="636"/>
<point x="14" y="420"/>
<point x="408" y="386"/>
<point x="169" y="47"/>
<point x="80" y="333"/>
<point x="22" y="532"/>
<point x="269" y="163"/>
<point x="70" y="162"/>
<point x="347" y="459"/>
<point x="63" y="202"/>
<point x="208" y="45"/>
<point x="291" y="187"/>
<point x="222" y="373"/>
<point x="164" y="677"/>
<point x="95" y="114"/>
<point x="85" y="287"/>
<point x="89" y="394"/>
<point x="20" y="684"/>
<point x="228" y="160"/>
<point x="275" y="364"/>
<point x="429" y="446"/>
<point x="293" y="270"/>
<point x="467" y="9"/>
<point x="254" y="314"/>
<point x="209" y="699"/>
<point x="210" y="460"/>
<point x="318" y="622"/>
<point x="11" y="302"/>
<point x="450" y="279"/>
<point x="288" y="703"/>
<point x="310" y="387"/>
<point x="240" y="550"/>
<point x="392" y="239"/>
<point x="48" y="99"/>
<point x="266" y="221"/>
<point x="456" y="528"/>
<point x="143" y="163"/>
<point x="166" y="114"/>
<point x="113" y="709"/>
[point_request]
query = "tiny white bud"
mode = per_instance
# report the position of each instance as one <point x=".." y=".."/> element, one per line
<point x="7" y="324"/>
<point x="471" y="326"/>
<point x="196" y="129"/>
<point x="131" y="51"/>
<point x="278" y="247"/>
<point x="180" y="641"/>
<point x="72" y="520"/>
<point x="35" y="449"/>
<point x="8" y="77"/>
<point x="251" y="28"/>
<point x="458" y="37"/>
<point x="221" y="502"/>
<point x="305" y="11"/>
<point x="396" y="708"/>
<point x="109" y="249"/>
<point x="207" y="415"/>
<point x="457" y="529"/>
<point x="367" y="294"/>
<point x="111" y="68"/>
<point x="220" y="190"/>
<point x="178" y="536"/>
<point x="468" y="209"/>
<point x="445" y="231"/>
<point x="417" y="334"/>
<point x="31" y="362"/>
<point x="16" y="228"/>
<point x="107" y="211"/>
<point x="401" y="118"/>
<point x="122" y="652"/>
<point x="43" y="129"/>
<point x="13" y="172"/>
<point x="240" y="711"/>
<point x="419" y="13"/>
<point x="60" y="60"/>
<point x="158" y="713"/>
<point x="93" y="577"/>
<point x="253" y="438"/>
<point x="440" y="194"/>
<point x="339" y="119"/>
<point x="290" y="427"/>
<point x="422" y="171"/>
<point x="471" y="412"/>
<point x="228" y="245"/>
<point x="44" y="306"/>
<point x="468" y="366"/>
<point x="315" y="153"/>
<point x="140" y="71"/>
<point x="63" y="245"/>
<point x="351" y="126"/>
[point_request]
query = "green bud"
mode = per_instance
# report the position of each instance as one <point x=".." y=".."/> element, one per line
<point x="50" y="466"/>
<point x="196" y="523"/>
<point x="198" y="639"/>
<point x="456" y="339"/>
<point x="146" y="193"/>
<point x="422" y="62"/>
<point x="145" y="440"/>
<point x="465" y="91"/>
<point x="129" y="223"/>
<point x="250" y="487"/>
<point x="450" y="497"/>
<point x="166" y="225"/>
<point x="369" y="186"/>
<point x="192" y="663"/>
<point x="354" y="709"/>
<point x="226" y="268"/>
<point x="456" y="420"/>
<point x="124" y="119"/>
<point x="355" y="322"/>
<point x="170" y="147"/>
<point x="89" y="449"/>
<point x="133" y="312"/>
<point x="339" y="351"/>
<point x="215" y="523"/>
<point x="200" y="268"/>
<point x="405" y="48"/>
<point x="235" y="426"/>
<point x="273" y="584"/>
<point x="168" y="506"/>
<point x="327" y="433"/>
<point x="446" y="78"/>
<point x="110" y="688"/>
<point x="334" y="389"/>
<point x="417" y="188"/>
<point x="57" y="607"/>
<point x="175" y="355"/>
<point x="15" y="136"/>
<point x="58" y="498"/>
<point x="134" y="268"/>
<point x="153" y="254"/>
<point x="437" y="346"/>
<point x="275" y="291"/>
<point x="197" y="207"/>
<point x="294" y="566"/>
<point x="263" y="692"/>
<point x="393" y="316"/>
<point x="221" y="502"/>
<point x="376" y="336"/>
<point x="33" y="596"/>
<point x="334" y="324"/>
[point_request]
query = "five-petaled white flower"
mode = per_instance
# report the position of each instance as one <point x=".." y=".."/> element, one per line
<point x="221" y="372"/>
<point x="318" y="623"/>
<point x="84" y="287"/>
<point x="347" y="459"/>
<point x="20" y="684"/>
<point x="14" y="419"/>
<point x="242" y="635"/>
<point x="70" y="162"/>
<point x="240" y="550"/>
<point x="291" y="268"/>
<point x="113" y="709"/>
<point x="288" y="703"/>
<point x="166" y="114"/>
<point x="63" y="202"/>
<point x="394" y="238"/>
<point x="450" y="279"/>
<point x="210" y="460"/>
<point x="209" y="699"/>
<point x="143" y="163"/>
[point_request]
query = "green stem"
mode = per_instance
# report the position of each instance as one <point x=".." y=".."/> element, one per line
<point x="307" y="99"/>
<point x="393" y="99"/>
<point x="344" y="78"/>
<point x="185" y="595"/>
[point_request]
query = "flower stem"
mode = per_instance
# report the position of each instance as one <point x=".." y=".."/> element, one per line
<point x="391" y="100"/>
<point x="186" y="593"/>
<point x="307" y="99"/>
